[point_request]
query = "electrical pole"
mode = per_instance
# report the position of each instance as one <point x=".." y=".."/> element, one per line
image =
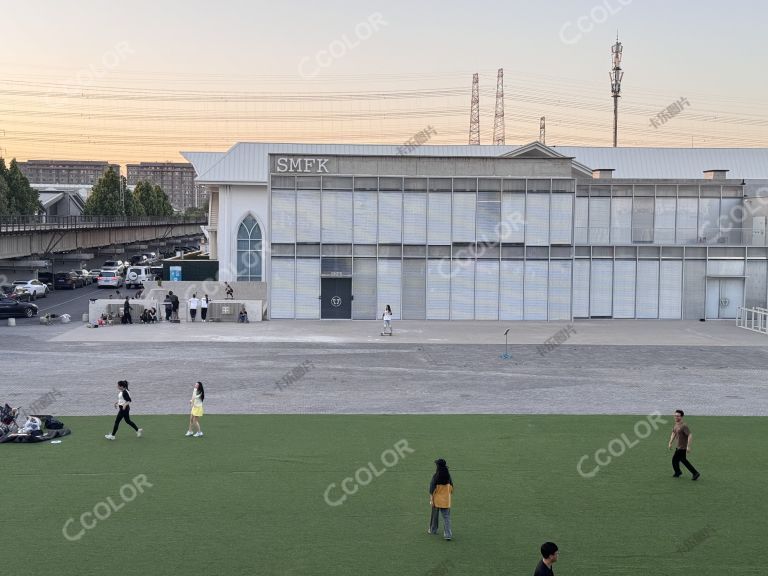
<point x="498" y="120"/>
<point x="616" y="75"/>
<point x="543" y="130"/>
<point x="474" y="113"/>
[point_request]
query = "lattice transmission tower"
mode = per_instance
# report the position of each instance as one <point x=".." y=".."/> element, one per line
<point x="474" y="113"/>
<point x="498" y="118"/>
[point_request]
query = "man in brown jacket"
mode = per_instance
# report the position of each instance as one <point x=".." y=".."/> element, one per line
<point x="684" y="439"/>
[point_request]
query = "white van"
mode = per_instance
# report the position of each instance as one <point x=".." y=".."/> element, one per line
<point x="137" y="275"/>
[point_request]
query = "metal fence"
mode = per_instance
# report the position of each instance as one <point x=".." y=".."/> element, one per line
<point x="755" y="319"/>
<point x="44" y="222"/>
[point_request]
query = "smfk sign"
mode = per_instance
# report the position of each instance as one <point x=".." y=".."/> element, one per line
<point x="313" y="165"/>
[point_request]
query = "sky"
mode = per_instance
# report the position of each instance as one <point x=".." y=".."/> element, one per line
<point x="140" y="81"/>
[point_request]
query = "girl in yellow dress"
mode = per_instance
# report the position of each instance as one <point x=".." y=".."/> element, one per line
<point x="198" y="395"/>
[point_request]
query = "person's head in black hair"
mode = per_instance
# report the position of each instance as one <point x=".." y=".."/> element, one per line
<point x="122" y="384"/>
<point x="200" y="390"/>
<point x="442" y="475"/>
<point x="549" y="553"/>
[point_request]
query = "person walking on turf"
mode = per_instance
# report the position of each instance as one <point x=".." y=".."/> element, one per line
<point x="123" y="406"/>
<point x="198" y="395"/>
<point x="548" y="557"/>
<point x="387" y="317"/>
<point x="684" y="438"/>
<point x="440" y="490"/>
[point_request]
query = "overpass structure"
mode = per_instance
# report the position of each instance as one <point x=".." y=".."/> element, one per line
<point x="42" y="236"/>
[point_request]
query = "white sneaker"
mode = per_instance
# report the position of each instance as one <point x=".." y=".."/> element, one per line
<point x="139" y="432"/>
<point x="198" y="434"/>
<point x="189" y="433"/>
<point x="109" y="436"/>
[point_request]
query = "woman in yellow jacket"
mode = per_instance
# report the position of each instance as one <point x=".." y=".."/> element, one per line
<point x="440" y="490"/>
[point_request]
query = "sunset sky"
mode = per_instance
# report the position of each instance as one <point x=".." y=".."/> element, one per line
<point x="140" y="81"/>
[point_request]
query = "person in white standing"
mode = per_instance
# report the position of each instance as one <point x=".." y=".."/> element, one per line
<point x="204" y="308"/>
<point x="387" y="317"/>
<point x="198" y="396"/>
<point x="194" y="302"/>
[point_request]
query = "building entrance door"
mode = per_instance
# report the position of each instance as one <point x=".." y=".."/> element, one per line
<point x="336" y="298"/>
<point x="724" y="296"/>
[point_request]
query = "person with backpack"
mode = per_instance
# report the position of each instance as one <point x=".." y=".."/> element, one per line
<point x="198" y="396"/>
<point x="123" y="406"/>
<point x="175" y="306"/>
<point x="440" y="490"/>
<point x="168" y="305"/>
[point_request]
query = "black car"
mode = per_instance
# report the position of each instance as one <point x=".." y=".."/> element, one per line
<point x="11" y="308"/>
<point x="67" y="280"/>
<point x="10" y="291"/>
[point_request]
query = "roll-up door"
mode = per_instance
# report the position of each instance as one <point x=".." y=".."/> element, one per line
<point x="664" y="221"/>
<point x="642" y="219"/>
<point x="536" y="276"/>
<point x="560" y="290"/>
<point x="756" y="284"/>
<point x="366" y="217"/>
<point x="624" y="288"/>
<point x="438" y="289"/>
<point x="671" y="289"/>
<point x="561" y="219"/>
<point x="337" y="216"/>
<point x="513" y="218"/>
<point x="581" y="221"/>
<point x="487" y="290"/>
<point x="488" y="221"/>
<point x="415" y="218"/>
<point x="600" y="288"/>
<point x="621" y="220"/>
<point x="389" y="285"/>
<point x="464" y="216"/>
<point x="308" y="288"/>
<point x="709" y="212"/>
<point x="390" y="217"/>
<point x="439" y="221"/>
<point x="581" y="288"/>
<point x="463" y="290"/>
<point x="687" y="221"/>
<point x="511" y="290"/>
<point x="647" y="299"/>
<point x="695" y="289"/>
<point x="599" y="220"/>
<point x="537" y="220"/>
<point x="414" y="289"/>
<point x="364" y="289"/>
<point x="308" y="216"/>
<point x="282" y="287"/>
<point x="283" y="216"/>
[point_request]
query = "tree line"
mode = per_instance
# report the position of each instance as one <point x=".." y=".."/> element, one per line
<point x="110" y="197"/>
<point x="17" y="197"/>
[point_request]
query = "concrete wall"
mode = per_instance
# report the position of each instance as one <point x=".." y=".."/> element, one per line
<point x="235" y="203"/>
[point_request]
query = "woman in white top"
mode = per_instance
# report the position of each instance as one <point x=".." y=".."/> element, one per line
<point x="198" y="395"/>
<point x="387" y="317"/>
<point x="123" y="406"/>
<point x="204" y="308"/>
<point x="193" y="304"/>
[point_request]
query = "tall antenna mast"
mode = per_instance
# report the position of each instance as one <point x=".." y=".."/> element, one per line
<point x="543" y="130"/>
<point x="498" y="120"/>
<point x="616" y="75"/>
<point x="474" y="114"/>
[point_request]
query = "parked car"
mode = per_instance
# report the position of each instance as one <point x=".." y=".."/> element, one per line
<point x="12" y="308"/>
<point x="94" y="274"/>
<point x="109" y="279"/>
<point x="137" y="275"/>
<point x="39" y="289"/>
<point x="114" y="265"/>
<point x="85" y="275"/>
<point x="11" y="291"/>
<point x="67" y="280"/>
<point x="150" y="257"/>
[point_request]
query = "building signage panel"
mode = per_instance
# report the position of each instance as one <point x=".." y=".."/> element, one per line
<point x="304" y="165"/>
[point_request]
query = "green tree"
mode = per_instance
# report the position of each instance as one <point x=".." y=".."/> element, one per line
<point x="162" y="203"/>
<point x="105" y="196"/>
<point x="22" y="198"/>
<point x="4" y="193"/>
<point x="131" y="206"/>
<point x="153" y="200"/>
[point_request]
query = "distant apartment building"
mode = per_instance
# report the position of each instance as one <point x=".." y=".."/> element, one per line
<point x="177" y="179"/>
<point x="65" y="172"/>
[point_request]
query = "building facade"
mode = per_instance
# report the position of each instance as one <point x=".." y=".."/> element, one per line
<point x="47" y="173"/>
<point x="177" y="179"/>
<point x="493" y="233"/>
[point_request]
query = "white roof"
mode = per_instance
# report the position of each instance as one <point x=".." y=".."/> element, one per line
<point x="248" y="162"/>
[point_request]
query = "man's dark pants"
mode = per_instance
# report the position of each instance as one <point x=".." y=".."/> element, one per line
<point x="681" y="457"/>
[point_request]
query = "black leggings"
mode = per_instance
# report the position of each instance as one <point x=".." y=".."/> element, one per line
<point x="124" y="414"/>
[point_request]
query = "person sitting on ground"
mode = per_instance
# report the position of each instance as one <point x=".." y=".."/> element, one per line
<point x="243" y="316"/>
<point x="32" y="426"/>
<point x="152" y="315"/>
<point x="144" y="318"/>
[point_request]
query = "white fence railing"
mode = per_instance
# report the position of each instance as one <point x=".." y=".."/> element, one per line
<point x="755" y="319"/>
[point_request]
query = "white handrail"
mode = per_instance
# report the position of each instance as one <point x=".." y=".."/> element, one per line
<point x="754" y="319"/>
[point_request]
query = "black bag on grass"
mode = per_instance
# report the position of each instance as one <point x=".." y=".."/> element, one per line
<point x="52" y="424"/>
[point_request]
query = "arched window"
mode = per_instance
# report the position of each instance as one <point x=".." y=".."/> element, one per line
<point x="249" y="250"/>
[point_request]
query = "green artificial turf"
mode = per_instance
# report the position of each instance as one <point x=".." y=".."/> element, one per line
<point x="248" y="498"/>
